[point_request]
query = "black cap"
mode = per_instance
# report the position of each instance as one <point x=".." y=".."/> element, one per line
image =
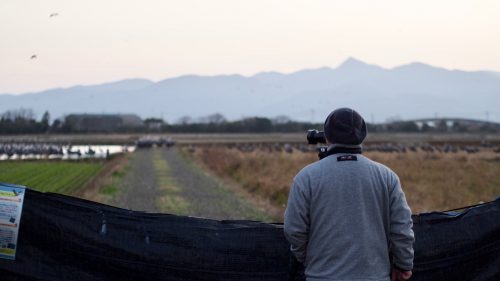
<point x="345" y="126"/>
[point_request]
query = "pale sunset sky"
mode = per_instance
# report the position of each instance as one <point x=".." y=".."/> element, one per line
<point x="91" y="42"/>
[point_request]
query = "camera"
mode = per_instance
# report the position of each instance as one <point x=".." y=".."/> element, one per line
<point x="315" y="137"/>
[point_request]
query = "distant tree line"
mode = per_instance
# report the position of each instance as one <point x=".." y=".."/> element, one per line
<point x="216" y="123"/>
<point x="437" y="126"/>
<point x="23" y="121"/>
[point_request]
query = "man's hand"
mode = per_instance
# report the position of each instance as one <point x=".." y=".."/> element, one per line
<point x="399" y="275"/>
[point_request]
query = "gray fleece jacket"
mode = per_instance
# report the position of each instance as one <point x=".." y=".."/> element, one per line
<point x="346" y="218"/>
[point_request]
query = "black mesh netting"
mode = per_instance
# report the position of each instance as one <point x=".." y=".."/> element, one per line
<point x="66" y="238"/>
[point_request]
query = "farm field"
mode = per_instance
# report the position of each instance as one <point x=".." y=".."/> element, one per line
<point x="206" y="138"/>
<point x="432" y="181"/>
<point x="202" y="173"/>
<point x="49" y="176"/>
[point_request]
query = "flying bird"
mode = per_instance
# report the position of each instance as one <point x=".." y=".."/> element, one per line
<point x="33" y="57"/>
<point x="53" y="15"/>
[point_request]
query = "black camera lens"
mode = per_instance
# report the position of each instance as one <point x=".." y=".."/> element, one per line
<point x="315" y="137"/>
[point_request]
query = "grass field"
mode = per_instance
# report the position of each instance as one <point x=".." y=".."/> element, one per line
<point x="431" y="181"/>
<point x="49" y="176"/>
<point x="192" y="138"/>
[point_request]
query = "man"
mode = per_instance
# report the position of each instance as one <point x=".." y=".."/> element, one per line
<point x="347" y="216"/>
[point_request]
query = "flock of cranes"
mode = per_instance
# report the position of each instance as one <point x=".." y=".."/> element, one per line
<point x="44" y="151"/>
<point x="15" y="151"/>
<point x="379" y="147"/>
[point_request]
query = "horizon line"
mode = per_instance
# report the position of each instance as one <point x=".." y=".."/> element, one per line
<point x="347" y="60"/>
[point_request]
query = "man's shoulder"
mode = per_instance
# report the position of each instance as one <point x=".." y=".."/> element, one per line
<point x="309" y="172"/>
<point x="310" y="168"/>
<point x="320" y="166"/>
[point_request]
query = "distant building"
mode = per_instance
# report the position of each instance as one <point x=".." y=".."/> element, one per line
<point x="102" y="122"/>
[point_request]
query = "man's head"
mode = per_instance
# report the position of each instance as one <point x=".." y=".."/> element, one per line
<point x="345" y="126"/>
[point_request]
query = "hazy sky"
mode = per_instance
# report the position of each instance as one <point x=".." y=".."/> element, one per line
<point x="94" y="41"/>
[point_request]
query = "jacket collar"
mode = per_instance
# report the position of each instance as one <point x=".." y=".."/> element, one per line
<point x="344" y="148"/>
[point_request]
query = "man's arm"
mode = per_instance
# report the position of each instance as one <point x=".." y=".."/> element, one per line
<point x="297" y="221"/>
<point x="401" y="233"/>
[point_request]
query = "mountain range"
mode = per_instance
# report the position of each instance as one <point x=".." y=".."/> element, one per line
<point x="409" y="91"/>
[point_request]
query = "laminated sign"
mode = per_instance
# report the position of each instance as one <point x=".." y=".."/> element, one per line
<point x="11" y="206"/>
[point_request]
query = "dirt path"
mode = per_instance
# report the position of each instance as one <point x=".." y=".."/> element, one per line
<point x="138" y="188"/>
<point x="162" y="180"/>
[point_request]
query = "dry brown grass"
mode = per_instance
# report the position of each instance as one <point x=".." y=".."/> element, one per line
<point x="445" y="181"/>
<point x="432" y="182"/>
<point x="261" y="173"/>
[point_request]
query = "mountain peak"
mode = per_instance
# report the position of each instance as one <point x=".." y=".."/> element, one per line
<point x="351" y="62"/>
<point x="421" y="67"/>
<point x="355" y="64"/>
